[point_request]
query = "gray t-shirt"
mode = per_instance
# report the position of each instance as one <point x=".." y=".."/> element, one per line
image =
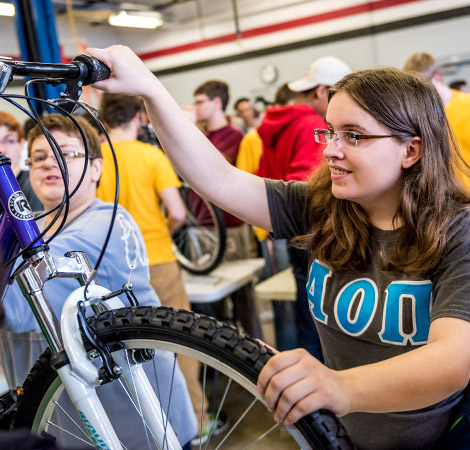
<point x="372" y="315"/>
<point x="21" y="341"/>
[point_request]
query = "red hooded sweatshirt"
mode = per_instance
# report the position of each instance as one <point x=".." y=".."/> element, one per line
<point x="289" y="148"/>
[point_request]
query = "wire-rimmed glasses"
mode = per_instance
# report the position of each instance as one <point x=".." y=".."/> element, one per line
<point x="38" y="159"/>
<point x="347" y="138"/>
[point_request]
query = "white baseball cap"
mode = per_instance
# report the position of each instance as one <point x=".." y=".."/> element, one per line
<point x="327" y="70"/>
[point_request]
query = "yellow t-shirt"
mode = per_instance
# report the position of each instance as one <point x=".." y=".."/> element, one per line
<point x="144" y="172"/>
<point x="250" y="151"/>
<point x="248" y="158"/>
<point x="458" y="114"/>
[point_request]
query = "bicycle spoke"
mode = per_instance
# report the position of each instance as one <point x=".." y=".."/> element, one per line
<point x="199" y="244"/>
<point x="158" y="386"/>
<point x="69" y="433"/>
<point x="77" y="425"/>
<point x="208" y="237"/>
<point x="191" y="219"/>
<point x="237" y="422"/>
<point x="204" y="215"/>
<point x="222" y="401"/>
<point x="70" y="418"/>
<point x="139" y="410"/>
<point x="192" y="235"/>
<point x="169" y="403"/>
<point x="263" y="435"/>
<point x="204" y="378"/>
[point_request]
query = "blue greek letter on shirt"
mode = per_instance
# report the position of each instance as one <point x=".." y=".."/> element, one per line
<point x="420" y="294"/>
<point x="317" y="279"/>
<point x="356" y="305"/>
<point x="363" y="290"/>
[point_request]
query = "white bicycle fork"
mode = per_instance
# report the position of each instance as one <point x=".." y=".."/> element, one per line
<point x="80" y="378"/>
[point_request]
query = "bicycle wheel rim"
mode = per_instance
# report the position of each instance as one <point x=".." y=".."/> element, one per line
<point x="183" y="336"/>
<point x="53" y="392"/>
<point x="199" y="244"/>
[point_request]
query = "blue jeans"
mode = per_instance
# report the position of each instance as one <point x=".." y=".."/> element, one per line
<point x="285" y="327"/>
<point x="307" y="334"/>
<point x="277" y="259"/>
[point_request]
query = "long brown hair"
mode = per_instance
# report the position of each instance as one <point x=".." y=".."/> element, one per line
<point x="408" y="105"/>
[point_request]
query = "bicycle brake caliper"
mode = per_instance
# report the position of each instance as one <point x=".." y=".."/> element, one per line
<point x="110" y="370"/>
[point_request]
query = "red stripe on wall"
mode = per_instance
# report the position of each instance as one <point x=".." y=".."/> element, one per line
<point x="309" y="20"/>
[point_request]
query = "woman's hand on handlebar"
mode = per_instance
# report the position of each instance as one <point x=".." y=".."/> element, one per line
<point x="295" y="384"/>
<point x="129" y="75"/>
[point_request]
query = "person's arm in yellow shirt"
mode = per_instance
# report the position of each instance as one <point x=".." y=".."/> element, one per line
<point x="176" y="211"/>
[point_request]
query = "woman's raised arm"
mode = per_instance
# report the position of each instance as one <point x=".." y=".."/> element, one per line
<point x="191" y="154"/>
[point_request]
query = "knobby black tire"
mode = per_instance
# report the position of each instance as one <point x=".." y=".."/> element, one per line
<point x="213" y="218"/>
<point x="321" y="430"/>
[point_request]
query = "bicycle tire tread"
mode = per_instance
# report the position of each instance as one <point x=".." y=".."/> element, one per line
<point x="327" y="431"/>
<point x="41" y="373"/>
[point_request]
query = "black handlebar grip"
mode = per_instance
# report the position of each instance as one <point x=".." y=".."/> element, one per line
<point x="94" y="70"/>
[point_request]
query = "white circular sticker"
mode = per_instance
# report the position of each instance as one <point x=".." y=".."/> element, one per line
<point x="19" y="206"/>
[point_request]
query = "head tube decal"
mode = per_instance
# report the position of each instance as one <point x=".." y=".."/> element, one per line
<point x="19" y="206"/>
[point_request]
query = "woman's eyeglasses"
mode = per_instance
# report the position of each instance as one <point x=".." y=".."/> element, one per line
<point x="348" y="138"/>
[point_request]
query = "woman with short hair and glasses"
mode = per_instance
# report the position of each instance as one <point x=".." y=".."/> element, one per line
<point x="385" y="221"/>
<point x="85" y="229"/>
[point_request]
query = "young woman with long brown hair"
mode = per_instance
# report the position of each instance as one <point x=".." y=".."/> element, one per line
<point x="386" y="224"/>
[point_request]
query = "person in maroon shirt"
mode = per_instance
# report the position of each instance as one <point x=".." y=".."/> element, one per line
<point x="210" y="101"/>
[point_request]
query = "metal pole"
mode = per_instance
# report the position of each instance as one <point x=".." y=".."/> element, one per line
<point x="37" y="35"/>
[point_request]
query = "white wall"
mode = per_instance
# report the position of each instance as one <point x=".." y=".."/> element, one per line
<point x="442" y="39"/>
<point x="446" y="39"/>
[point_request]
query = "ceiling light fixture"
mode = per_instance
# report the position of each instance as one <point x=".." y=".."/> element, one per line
<point x="136" y="20"/>
<point x="7" y="9"/>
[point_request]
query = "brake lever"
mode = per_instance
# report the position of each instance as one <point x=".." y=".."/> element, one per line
<point x="5" y="76"/>
<point x="91" y="70"/>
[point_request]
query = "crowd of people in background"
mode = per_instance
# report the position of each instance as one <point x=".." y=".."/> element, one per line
<point x="276" y="144"/>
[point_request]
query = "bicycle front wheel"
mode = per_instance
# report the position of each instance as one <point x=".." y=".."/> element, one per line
<point x="216" y="345"/>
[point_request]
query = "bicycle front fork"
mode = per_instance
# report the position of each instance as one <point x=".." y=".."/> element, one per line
<point x="81" y="377"/>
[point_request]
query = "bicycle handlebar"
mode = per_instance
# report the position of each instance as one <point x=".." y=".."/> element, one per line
<point x="84" y="69"/>
<point x="41" y="70"/>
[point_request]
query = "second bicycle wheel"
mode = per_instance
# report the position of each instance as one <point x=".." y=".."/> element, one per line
<point x="199" y="244"/>
<point x="218" y="346"/>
